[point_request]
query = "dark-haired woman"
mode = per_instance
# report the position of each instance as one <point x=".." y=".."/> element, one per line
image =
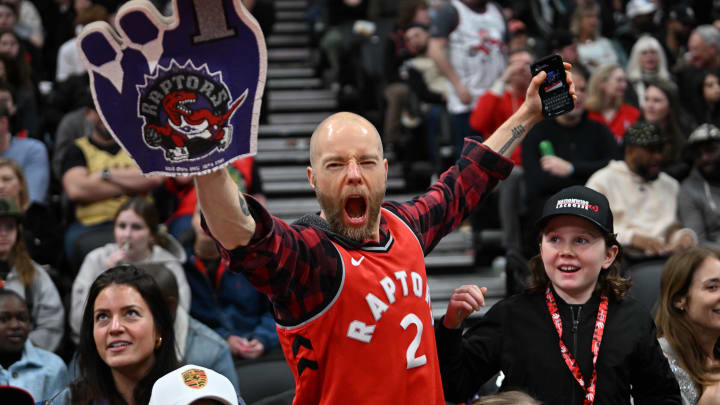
<point x="138" y="240"/>
<point x="689" y="325"/>
<point x="126" y="341"/>
<point x="573" y="337"/>
<point x="662" y="107"/>
<point x="705" y="106"/>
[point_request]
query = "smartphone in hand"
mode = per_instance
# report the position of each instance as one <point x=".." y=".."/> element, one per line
<point x="554" y="91"/>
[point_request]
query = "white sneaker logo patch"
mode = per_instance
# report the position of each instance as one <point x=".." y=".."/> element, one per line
<point x="357" y="262"/>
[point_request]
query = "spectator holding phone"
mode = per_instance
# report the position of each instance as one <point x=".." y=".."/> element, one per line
<point x="561" y="152"/>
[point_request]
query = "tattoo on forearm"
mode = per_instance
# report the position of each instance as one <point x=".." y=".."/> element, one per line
<point x="244" y="207"/>
<point x="516" y="132"/>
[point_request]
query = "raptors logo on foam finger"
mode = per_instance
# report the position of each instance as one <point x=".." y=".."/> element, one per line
<point x="186" y="111"/>
<point x="180" y="93"/>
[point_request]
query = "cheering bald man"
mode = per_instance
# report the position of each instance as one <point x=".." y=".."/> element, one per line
<point x="348" y="285"/>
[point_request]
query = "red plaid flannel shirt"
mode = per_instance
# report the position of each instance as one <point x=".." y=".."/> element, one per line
<point x="298" y="267"/>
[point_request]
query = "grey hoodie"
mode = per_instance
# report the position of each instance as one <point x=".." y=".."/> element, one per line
<point x="94" y="265"/>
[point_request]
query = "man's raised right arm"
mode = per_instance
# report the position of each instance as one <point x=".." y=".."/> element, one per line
<point x="226" y="212"/>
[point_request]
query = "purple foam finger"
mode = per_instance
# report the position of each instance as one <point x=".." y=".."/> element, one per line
<point x="189" y="88"/>
<point x="97" y="49"/>
<point x="138" y="27"/>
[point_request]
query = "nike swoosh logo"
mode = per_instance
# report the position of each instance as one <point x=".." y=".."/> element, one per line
<point x="357" y="262"/>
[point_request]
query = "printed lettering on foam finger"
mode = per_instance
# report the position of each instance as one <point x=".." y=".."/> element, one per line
<point x="181" y="93"/>
<point x="363" y="332"/>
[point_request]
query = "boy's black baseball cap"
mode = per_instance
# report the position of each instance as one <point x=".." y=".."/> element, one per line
<point x="582" y="202"/>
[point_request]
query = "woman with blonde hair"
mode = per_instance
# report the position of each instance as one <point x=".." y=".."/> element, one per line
<point x="605" y="100"/>
<point x="594" y="49"/>
<point x="41" y="231"/>
<point x="139" y="240"/>
<point x="647" y="62"/>
<point x="688" y="324"/>
<point x="13" y="183"/>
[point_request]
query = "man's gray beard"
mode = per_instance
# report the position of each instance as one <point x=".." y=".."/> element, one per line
<point x="334" y="213"/>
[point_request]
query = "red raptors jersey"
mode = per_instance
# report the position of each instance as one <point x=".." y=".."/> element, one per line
<point x="374" y="343"/>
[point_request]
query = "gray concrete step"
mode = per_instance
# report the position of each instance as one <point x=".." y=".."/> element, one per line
<point x="450" y="259"/>
<point x="288" y="40"/>
<point x="288" y="55"/>
<point x="282" y="5"/>
<point x="291" y="27"/>
<point x="289" y="145"/>
<point x="302" y="100"/>
<point x="298" y="118"/>
<point x="289" y="72"/>
<point x="301" y="95"/>
<point x="276" y="105"/>
<point x="297" y="84"/>
<point x="275" y="157"/>
<point x="290" y="15"/>
<point x="270" y="130"/>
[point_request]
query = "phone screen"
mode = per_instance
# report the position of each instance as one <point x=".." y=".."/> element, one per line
<point x="554" y="92"/>
<point x="552" y="82"/>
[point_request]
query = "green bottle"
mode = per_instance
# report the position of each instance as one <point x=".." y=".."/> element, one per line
<point x="546" y="148"/>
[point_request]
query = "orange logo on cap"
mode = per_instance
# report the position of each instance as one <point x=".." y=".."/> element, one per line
<point x="194" y="378"/>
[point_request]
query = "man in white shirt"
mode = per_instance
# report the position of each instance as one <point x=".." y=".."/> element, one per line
<point x="643" y="200"/>
<point x="468" y="45"/>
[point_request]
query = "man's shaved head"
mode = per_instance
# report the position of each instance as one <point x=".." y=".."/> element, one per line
<point x="336" y="123"/>
<point x="349" y="174"/>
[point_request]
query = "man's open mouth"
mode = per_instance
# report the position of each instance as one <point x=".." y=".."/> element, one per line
<point x="355" y="209"/>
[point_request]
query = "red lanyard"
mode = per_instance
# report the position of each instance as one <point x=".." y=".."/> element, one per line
<point x="595" y="348"/>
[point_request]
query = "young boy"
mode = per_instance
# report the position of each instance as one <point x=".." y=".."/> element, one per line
<point x="573" y="335"/>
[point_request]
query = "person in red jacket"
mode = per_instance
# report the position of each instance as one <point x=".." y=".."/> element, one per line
<point x="606" y="100"/>
<point x="504" y="98"/>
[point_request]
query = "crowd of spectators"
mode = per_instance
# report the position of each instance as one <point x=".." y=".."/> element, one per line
<point x="73" y="204"/>
<point x="464" y="71"/>
<point x="644" y="132"/>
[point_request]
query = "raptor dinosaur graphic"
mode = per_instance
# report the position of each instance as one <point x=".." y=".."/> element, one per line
<point x="185" y="126"/>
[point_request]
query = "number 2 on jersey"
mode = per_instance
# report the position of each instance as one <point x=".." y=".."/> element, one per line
<point x="412" y="361"/>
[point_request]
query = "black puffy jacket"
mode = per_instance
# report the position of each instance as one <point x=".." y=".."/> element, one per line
<point x="517" y="337"/>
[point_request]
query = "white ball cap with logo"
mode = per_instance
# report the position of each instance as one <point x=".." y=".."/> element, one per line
<point x="190" y="383"/>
